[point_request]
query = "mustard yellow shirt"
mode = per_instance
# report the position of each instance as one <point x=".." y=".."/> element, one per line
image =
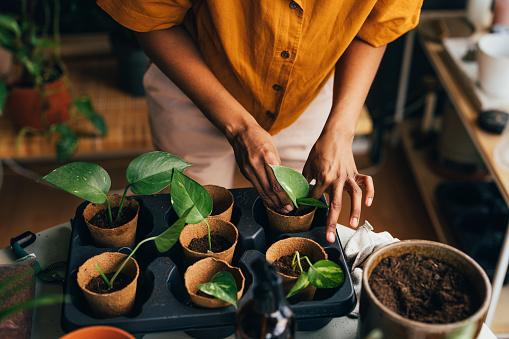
<point x="273" y="56"/>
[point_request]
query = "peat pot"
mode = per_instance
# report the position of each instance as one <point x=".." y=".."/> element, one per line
<point x="375" y="316"/>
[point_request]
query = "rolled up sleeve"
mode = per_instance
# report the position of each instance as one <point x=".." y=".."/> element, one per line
<point x="390" y="19"/>
<point x="145" y="16"/>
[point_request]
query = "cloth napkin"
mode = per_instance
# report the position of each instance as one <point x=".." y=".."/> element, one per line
<point x="358" y="248"/>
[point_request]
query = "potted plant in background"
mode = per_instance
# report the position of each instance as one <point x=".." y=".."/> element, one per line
<point x="37" y="94"/>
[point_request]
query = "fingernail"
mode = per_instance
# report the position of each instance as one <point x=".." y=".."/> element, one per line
<point x="355" y="222"/>
<point x="288" y="208"/>
<point x="369" y="202"/>
<point x="330" y="236"/>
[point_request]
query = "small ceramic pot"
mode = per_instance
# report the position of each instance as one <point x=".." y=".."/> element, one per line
<point x="115" y="304"/>
<point x="201" y="272"/>
<point x="282" y="223"/>
<point x="374" y="315"/>
<point x="222" y="202"/>
<point x="98" y="332"/>
<point x="218" y="227"/>
<point x="124" y="235"/>
<point x="288" y="246"/>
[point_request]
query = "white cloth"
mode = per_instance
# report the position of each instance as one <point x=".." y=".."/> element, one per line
<point x="178" y="127"/>
<point x="358" y="248"/>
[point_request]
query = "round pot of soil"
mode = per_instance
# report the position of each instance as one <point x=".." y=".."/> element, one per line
<point x="98" y="332"/>
<point x="289" y="223"/>
<point x="123" y="230"/>
<point x="222" y="201"/>
<point x="28" y="107"/>
<point x="281" y="253"/>
<point x="202" y="272"/>
<point x="104" y="302"/>
<point x="423" y="289"/>
<point x="195" y="242"/>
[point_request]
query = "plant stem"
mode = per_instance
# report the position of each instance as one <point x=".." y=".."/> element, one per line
<point x="129" y="257"/>
<point x="208" y="232"/>
<point x="104" y="277"/>
<point x="122" y="201"/>
<point x="109" y="210"/>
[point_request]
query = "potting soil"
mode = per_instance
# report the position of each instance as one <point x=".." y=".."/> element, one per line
<point x="218" y="244"/>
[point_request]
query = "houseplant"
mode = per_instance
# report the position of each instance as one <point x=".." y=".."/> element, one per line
<point x="38" y="94"/>
<point x="149" y="173"/>
<point x="223" y="282"/>
<point x="297" y="189"/>
<point x="287" y="254"/>
<point x="437" y="290"/>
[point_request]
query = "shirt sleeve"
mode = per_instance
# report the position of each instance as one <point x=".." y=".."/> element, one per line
<point x="390" y="19"/>
<point x="144" y="15"/>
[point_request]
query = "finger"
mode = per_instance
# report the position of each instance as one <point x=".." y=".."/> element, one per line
<point x="369" y="188"/>
<point x="261" y="188"/>
<point x="277" y="192"/>
<point x="334" y="210"/>
<point x="356" y="201"/>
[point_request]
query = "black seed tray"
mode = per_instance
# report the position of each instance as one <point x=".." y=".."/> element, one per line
<point x="162" y="303"/>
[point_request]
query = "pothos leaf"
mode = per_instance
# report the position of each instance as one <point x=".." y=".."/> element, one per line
<point x="186" y="193"/>
<point x="165" y="241"/>
<point x="151" y="172"/>
<point x="294" y="183"/>
<point x="312" y="202"/>
<point x="300" y="284"/>
<point x="326" y="274"/>
<point x="222" y="286"/>
<point x="82" y="179"/>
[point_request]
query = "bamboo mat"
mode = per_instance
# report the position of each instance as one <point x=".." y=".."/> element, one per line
<point x="125" y="115"/>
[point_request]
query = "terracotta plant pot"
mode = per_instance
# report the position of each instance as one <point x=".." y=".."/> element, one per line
<point x="281" y="223"/>
<point x="217" y="226"/>
<point x="375" y="315"/>
<point x="98" y="332"/>
<point x="201" y="272"/>
<point x="124" y="235"/>
<point x="288" y="246"/>
<point x="222" y="202"/>
<point x="24" y="104"/>
<point x="115" y="304"/>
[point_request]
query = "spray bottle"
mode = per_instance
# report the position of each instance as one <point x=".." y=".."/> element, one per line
<point x="267" y="314"/>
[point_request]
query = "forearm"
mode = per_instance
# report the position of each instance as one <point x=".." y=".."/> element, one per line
<point x="354" y="74"/>
<point x="175" y="53"/>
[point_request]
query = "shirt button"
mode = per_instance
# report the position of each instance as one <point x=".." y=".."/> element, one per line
<point x="285" y="55"/>
<point x="293" y="5"/>
<point x="270" y="114"/>
<point x="276" y="87"/>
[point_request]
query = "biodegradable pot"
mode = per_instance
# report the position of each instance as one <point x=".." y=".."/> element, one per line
<point x="115" y="304"/>
<point x="222" y="201"/>
<point x="25" y="105"/>
<point x="124" y="235"/>
<point x="201" y="272"/>
<point x="288" y="246"/>
<point x="98" y="332"/>
<point x="282" y="223"/>
<point x="374" y="315"/>
<point x="217" y="226"/>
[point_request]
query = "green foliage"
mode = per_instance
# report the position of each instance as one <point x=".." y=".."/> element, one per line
<point x="322" y="274"/>
<point x="221" y="286"/>
<point x="296" y="186"/>
<point x="39" y="57"/>
<point x="147" y="174"/>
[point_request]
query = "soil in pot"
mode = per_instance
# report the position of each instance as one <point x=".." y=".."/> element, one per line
<point x="101" y="218"/>
<point x="98" y="285"/>
<point x="423" y="289"/>
<point x="284" y="265"/>
<point x="218" y="244"/>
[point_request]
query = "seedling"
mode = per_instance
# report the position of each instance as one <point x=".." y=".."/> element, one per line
<point x="296" y="186"/>
<point x="164" y="242"/>
<point x="221" y="286"/>
<point x="147" y="174"/>
<point x="322" y="274"/>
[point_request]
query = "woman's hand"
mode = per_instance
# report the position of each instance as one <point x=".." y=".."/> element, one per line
<point x="332" y="165"/>
<point x="254" y="151"/>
